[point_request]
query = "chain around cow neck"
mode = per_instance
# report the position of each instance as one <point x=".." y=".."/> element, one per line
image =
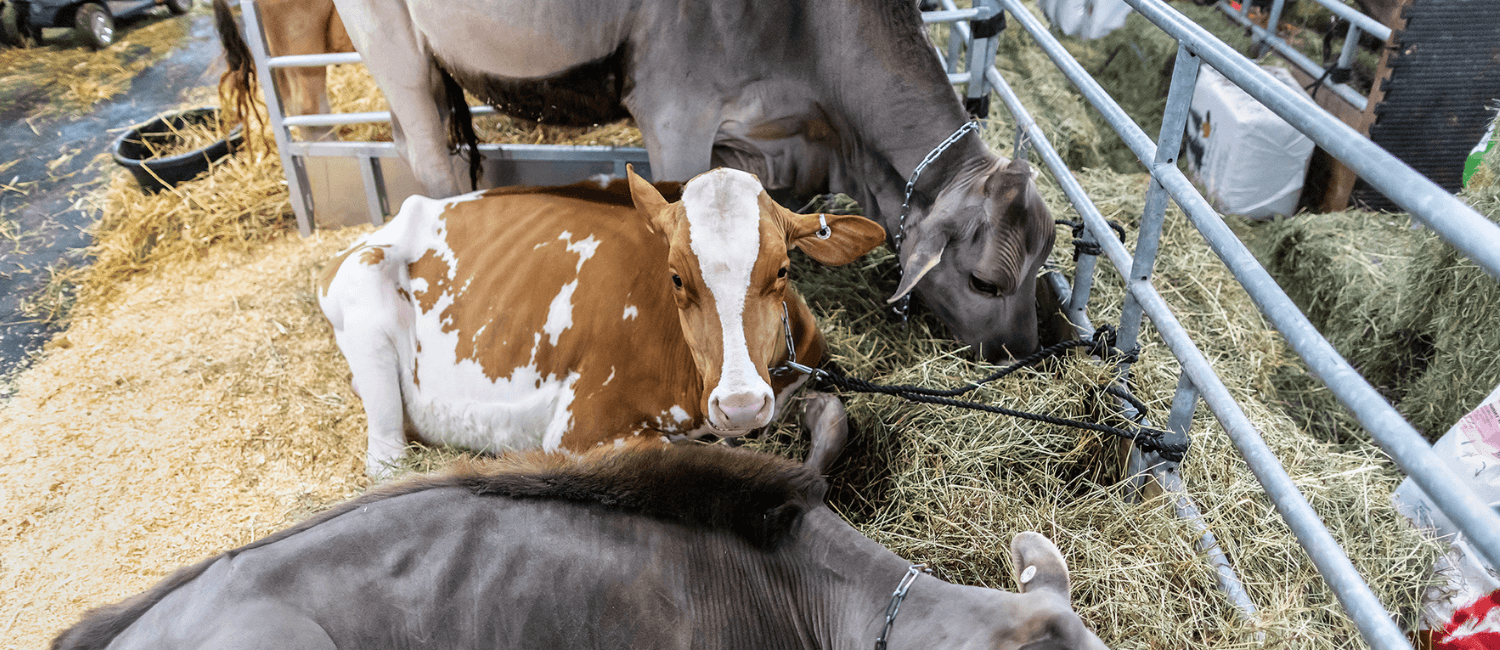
<point x="899" y="595"/>
<point x="902" y="308"/>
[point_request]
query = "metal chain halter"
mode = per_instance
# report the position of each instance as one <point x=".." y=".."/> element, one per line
<point x="902" y="308"/>
<point x="896" y="598"/>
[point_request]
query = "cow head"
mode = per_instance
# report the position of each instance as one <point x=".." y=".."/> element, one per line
<point x="975" y="256"/>
<point x="727" y="270"/>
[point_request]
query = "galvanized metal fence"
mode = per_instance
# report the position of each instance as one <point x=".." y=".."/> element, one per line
<point x="1455" y="222"/>
<point x="517" y="160"/>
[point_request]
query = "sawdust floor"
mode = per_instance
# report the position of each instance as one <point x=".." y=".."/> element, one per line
<point x="99" y="471"/>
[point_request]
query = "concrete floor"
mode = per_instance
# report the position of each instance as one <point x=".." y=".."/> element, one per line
<point x="46" y="225"/>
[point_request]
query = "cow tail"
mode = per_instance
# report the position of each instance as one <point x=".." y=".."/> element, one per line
<point x="237" y="84"/>
<point x="461" y="136"/>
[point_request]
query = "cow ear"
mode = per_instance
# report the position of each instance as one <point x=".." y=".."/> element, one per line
<point x="926" y="252"/>
<point x="648" y="201"/>
<point x="1039" y="566"/>
<point x="833" y="239"/>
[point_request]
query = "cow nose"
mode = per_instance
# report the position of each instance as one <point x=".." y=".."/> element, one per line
<point x="742" y="411"/>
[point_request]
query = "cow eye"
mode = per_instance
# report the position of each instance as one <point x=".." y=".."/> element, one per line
<point x="677" y="280"/>
<point x="983" y="287"/>
<point x="781" y="273"/>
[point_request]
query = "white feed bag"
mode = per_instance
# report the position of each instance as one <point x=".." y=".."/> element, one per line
<point x="1249" y="160"/>
<point x="1465" y="609"/>
<point x="1085" y="19"/>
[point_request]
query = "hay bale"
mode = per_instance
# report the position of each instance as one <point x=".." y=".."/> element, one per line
<point x="1406" y="309"/>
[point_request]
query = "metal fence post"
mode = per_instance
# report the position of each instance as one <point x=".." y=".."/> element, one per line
<point x="1168" y="142"/>
<point x="296" y="172"/>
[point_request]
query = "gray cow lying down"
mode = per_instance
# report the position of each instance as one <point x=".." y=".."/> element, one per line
<point x="645" y="547"/>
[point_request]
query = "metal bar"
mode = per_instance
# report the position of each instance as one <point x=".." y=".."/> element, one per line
<point x="1184" y="402"/>
<point x="1351" y="45"/>
<point x="339" y="119"/>
<point x="1169" y="140"/>
<point x="296" y="175"/>
<point x="982" y="12"/>
<point x="1291" y="54"/>
<point x="313" y="60"/>
<point x="1363" y="607"/>
<point x="1456" y="223"/>
<point x="1170" y="480"/>
<point x="958" y="78"/>
<point x="1273" y="27"/>
<point x="374" y="183"/>
<point x="547" y="152"/>
<point x="956" y="42"/>
<point x="1369" y="25"/>
<point x="1356" y="597"/>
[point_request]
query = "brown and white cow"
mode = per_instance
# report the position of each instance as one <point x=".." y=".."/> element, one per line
<point x="578" y="316"/>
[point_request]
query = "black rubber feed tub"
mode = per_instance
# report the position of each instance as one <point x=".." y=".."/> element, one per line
<point x="158" y="173"/>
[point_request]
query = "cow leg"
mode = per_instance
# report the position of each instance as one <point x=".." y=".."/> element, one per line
<point x="309" y="95"/>
<point x="404" y="69"/>
<point x="374" y="365"/>
<point x="362" y="305"/>
<point x="679" y="134"/>
<point x="828" y="424"/>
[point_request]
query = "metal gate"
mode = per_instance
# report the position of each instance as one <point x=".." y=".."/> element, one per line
<point x="1457" y="224"/>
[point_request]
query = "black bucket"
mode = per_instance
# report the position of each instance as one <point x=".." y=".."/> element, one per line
<point x="157" y="174"/>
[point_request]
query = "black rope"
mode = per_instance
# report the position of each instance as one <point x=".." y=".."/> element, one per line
<point x="1101" y="344"/>
<point x="1081" y="247"/>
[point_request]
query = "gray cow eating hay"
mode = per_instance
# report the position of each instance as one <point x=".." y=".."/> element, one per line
<point x="838" y="95"/>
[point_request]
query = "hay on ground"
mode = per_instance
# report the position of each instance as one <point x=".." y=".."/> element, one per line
<point x="51" y="81"/>
<point x="197" y="401"/>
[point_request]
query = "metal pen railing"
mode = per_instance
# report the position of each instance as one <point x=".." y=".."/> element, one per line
<point x="599" y="159"/>
<point x="1358" y="24"/>
<point x="1455" y="222"/>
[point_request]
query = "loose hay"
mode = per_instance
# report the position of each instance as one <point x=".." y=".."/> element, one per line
<point x="202" y="384"/>
<point x="52" y="81"/>
<point x="351" y="89"/>
<point x="950" y="488"/>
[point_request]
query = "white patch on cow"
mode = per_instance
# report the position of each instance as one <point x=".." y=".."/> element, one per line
<point x="560" y="312"/>
<point x="584" y="247"/>
<point x="610" y="378"/>
<point x="631" y="312"/>
<point x="678" y="414"/>
<point x="723" y="215"/>
<point x="619" y="442"/>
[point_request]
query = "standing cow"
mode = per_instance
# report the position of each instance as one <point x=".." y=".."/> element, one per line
<point x="568" y="318"/>
<point x="846" y="95"/>
<point x="665" y="549"/>
<point x="291" y="27"/>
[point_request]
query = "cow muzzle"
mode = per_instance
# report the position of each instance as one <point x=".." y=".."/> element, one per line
<point x="736" y="412"/>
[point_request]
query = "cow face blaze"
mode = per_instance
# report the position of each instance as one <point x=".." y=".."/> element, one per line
<point x="728" y="273"/>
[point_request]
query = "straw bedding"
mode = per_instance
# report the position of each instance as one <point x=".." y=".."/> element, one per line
<point x="62" y="79"/>
<point x="197" y="401"/>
